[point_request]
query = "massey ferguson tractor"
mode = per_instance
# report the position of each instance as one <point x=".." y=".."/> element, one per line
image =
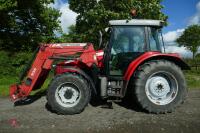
<point x="133" y="59"/>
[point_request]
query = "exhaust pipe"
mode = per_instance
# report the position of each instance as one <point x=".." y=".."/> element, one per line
<point x="104" y="82"/>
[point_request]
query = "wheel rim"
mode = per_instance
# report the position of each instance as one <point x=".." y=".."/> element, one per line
<point x="161" y="88"/>
<point x="67" y="95"/>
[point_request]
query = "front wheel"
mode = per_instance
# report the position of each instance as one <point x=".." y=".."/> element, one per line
<point x="68" y="94"/>
<point x="160" y="86"/>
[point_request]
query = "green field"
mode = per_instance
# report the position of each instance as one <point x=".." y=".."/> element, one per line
<point x="192" y="78"/>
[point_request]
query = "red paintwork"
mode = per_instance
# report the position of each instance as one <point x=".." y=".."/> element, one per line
<point x="87" y="56"/>
<point x="99" y="55"/>
<point x="134" y="64"/>
<point x="42" y="65"/>
<point x="98" y="61"/>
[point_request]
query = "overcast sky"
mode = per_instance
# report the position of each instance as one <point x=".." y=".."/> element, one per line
<point x="182" y="13"/>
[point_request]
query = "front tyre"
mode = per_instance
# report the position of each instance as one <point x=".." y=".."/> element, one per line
<point x="68" y="94"/>
<point x="160" y="86"/>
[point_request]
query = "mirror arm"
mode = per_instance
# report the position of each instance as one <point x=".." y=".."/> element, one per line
<point x="100" y="40"/>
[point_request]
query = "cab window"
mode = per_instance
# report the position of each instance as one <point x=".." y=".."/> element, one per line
<point x="154" y="39"/>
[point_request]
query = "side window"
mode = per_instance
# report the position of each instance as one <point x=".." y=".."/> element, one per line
<point x="128" y="39"/>
<point x="154" y="40"/>
<point x="121" y="44"/>
<point x="138" y="40"/>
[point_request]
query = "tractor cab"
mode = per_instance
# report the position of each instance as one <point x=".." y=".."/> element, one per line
<point x="129" y="40"/>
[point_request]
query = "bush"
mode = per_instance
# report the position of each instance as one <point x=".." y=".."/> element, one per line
<point x="11" y="64"/>
<point x="5" y="68"/>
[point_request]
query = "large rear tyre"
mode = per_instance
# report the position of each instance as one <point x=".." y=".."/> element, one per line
<point x="159" y="86"/>
<point x="68" y="94"/>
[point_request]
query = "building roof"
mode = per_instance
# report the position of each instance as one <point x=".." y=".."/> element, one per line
<point x="142" y="22"/>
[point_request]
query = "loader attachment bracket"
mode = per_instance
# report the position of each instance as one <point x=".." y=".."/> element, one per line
<point x="15" y="94"/>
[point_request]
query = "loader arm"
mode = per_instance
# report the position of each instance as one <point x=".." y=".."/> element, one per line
<point x="42" y="64"/>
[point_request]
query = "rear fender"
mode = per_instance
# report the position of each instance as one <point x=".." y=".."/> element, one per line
<point x="154" y="56"/>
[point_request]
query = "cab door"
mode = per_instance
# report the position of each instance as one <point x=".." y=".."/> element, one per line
<point x="127" y="43"/>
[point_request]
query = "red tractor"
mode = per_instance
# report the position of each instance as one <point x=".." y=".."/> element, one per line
<point x="134" y="59"/>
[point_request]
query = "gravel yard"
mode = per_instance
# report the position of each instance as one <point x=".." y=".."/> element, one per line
<point x="35" y="117"/>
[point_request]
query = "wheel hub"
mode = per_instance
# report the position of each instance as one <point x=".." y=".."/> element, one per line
<point x="161" y="88"/>
<point x="158" y="86"/>
<point x="67" y="96"/>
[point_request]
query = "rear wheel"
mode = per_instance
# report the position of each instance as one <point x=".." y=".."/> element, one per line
<point x="160" y="86"/>
<point x="68" y="94"/>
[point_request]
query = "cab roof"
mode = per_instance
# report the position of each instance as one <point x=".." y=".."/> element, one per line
<point x="138" y="22"/>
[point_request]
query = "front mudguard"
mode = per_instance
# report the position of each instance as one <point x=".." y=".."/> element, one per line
<point x="74" y="69"/>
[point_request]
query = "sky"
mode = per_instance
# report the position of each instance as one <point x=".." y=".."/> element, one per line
<point x="181" y="13"/>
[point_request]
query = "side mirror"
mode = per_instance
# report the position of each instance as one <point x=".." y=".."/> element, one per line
<point x="107" y="29"/>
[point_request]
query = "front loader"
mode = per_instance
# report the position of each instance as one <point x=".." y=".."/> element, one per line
<point x="132" y="59"/>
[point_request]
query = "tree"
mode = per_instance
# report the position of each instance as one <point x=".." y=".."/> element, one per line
<point x="25" y="23"/>
<point x="71" y="36"/>
<point x="190" y="39"/>
<point x="94" y="15"/>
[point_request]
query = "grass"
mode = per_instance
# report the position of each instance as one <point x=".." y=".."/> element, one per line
<point x="192" y="78"/>
<point x="5" y="83"/>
